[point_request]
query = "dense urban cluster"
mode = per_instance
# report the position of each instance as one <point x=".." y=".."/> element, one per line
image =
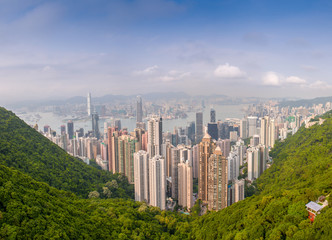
<point x="222" y="158"/>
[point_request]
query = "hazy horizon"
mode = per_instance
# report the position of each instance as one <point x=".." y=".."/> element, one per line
<point x="255" y="48"/>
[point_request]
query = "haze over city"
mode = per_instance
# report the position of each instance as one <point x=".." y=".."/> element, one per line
<point x="60" y="49"/>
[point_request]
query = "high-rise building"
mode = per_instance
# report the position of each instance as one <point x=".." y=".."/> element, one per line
<point x="256" y="158"/>
<point x="157" y="182"/>
<point x="195" y="164"/>
<point x="225" y="146"/>
<point x="233" y="165"/>
<point x="244" y="128"/>
<point x="185" y="185"/>
<point x="139" y="110"/>
<point x="239" y="190"/>
<point x="70" y="128"/>
<point x="95" y="125"/>
<point x="175" y="160"/>
<point x="155" y="137"/>
<point x="63" y="129"/>
<point x="213" y="130"/>
<point x="212" y="116"/>
<point x="217" y="181"/>
<point x="141" y="176"/>
<point x="206" y="149"/>
<point x="117" y="124"/>
<point x="252" y="126"/>
<point x="199" y="126"/>
<point x="89" y="104"/>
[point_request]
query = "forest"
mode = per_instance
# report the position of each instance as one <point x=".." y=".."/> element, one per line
<point x="47" y="194"/>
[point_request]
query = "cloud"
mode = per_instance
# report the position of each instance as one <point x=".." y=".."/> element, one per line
<point x="320" y="85"/>
<point x="309" y="68"/>
<point x="174" y="75"/>
<point x="295" y="80"/>
<point x="147" y="71"/>
<point x="228" y="71"/>
<point x="271" y="79"/>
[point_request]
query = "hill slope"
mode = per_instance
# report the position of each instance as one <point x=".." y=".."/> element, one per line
<point x="302" y="171"/>
<point x="24" y="149"/>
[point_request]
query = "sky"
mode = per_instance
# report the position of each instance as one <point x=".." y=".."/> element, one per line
<point x="252" y="48"/>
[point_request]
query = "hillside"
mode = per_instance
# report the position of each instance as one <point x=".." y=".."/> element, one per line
<point x="301" y="172"/>
<point x="34" y="210"/>
<point x="24" y="149"/>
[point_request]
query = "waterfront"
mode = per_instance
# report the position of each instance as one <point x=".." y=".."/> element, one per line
<point x="55" y="121"/>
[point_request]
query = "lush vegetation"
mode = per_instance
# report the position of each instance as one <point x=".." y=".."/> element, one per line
<point x="23" y="148"/>
<point x="30" y="208"/>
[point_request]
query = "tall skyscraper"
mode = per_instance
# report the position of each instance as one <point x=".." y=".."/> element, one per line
<point x="157" y="182"/>
<point x="155" y="136"/>
<point x="206" y="149"/>
<point x="244" y="129"/>
<point x="252" y="123"/>
<point x="212" y="115"/>
<point x="217" y="181"/>
<point x="239" y="190"/>
<point x="141" y="176"/>
<point x="70" y="128"/>
<point x="175" y="160"/>
<point x="63" y="129"/>
<point x="185" y="185"/>
<point x="139" y="110"/>
<point x="89" y="104"/>
<point x="95" y="125"/>
<point x="199" y="126"/>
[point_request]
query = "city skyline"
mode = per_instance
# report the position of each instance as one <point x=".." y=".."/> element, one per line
<point x="238" y="48"/>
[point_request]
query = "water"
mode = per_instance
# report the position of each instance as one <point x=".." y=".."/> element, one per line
<point x="55" y="121"/>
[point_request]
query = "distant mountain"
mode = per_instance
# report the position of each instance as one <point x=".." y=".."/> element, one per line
<point x="25" y="149"/>
<point x="306" y="102"/>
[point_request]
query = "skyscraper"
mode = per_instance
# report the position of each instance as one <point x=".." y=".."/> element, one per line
<point x="139" y="110"/>
<point x="213" y="130"/>
<point x="252" y="123"/>
<point x="155" y="136"/>
<point x="141" y="176"/>
<point x="157" y="182"/>
<point x="212" y="115"/>
<point x="244" y="129"/>
<point x="206" y="148"/>
<point x="217" y="181"/>
<point x="89" y="104"/>
<point x="199" y="126"/>
<point x="95" y="125"/>
<point x="70" y="128"/>
<point x="185" y="185"/>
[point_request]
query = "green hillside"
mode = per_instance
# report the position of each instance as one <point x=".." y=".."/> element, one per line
<point x="24" y="149"/>
<point x="301" y="172"/>
<point x="34" y="210"/>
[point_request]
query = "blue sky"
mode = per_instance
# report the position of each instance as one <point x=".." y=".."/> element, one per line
<point x="56" y="49"/>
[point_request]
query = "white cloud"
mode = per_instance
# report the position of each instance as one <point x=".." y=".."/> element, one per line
<point x="147" y="71"/>
<point x="320" y="85"/>
<point x="271" y="79"/>
<point x="295" y="80"/>
<point x="174" y="75"/>
<point x="228" y="71"/>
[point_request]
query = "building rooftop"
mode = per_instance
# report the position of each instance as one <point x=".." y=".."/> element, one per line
<point x="314" y="206"/>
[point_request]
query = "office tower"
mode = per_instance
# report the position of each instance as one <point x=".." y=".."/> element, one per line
<point x="89" y="104"/>
<point x="155" y="136"/>
<point x="157" y="182"/>
<point x="195" y="164"/>
<point x="217" y="181"/>
<point x="175" y="158"/>
<point x="223" y="130"/>
<point x="117" y="124"/>
<point x="244" y="129"/>
<point x="213" y="130"/>
<point x="191" y="131"/>
<point x="185" y="185"/>
<point x="239" y="190"/>
<point x="206" y="149"/>
<point x="63" y="129"/>
<point x="212" y="116"/>
<point x="252" y="126"/>
<point x="95" y="126"/>
<point x="70" y="128"/>
<point x="46" y="128"/>
<point x="199" y="126"/>
<point x="141" y="176"/>
<point x="139" y="110"/>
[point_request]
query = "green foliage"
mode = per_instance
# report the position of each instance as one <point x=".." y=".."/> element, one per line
<point x="24" y="149"/>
